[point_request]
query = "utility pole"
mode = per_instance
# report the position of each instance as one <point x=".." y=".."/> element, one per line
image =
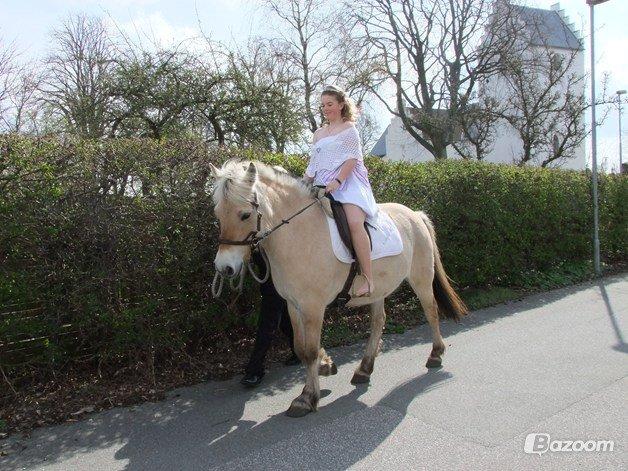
<point x="619" y="94"/>
<point x="596" y="225"/>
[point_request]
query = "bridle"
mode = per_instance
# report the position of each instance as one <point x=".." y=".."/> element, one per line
<point x="253" y="239"/>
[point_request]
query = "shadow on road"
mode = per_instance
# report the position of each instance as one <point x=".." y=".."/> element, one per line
<point x="621" y="344"/>
<point x="208" y="430"/>
<point x="188" y="443"/>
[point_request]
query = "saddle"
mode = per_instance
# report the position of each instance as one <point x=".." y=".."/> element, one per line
<point x="340" y="217"/>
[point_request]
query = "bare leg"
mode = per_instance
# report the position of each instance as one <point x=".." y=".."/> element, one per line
<point x="361" y="244"/>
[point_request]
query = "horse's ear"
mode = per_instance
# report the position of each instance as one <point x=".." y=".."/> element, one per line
<point x="251" y="174"/>
<point x="214" y="171"/>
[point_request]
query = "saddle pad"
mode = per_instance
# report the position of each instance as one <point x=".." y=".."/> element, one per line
<point x="384" y="234"/>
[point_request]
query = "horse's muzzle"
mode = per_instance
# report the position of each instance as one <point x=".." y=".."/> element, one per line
<point x="227" y="271"/>
<point x="228" y="266"/>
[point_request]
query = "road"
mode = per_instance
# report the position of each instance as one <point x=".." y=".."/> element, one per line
<point x="553" y="363"/>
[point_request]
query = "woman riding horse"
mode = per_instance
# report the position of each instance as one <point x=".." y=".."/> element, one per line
<point x="252" y="202"/>
<point x="336" y="162"/>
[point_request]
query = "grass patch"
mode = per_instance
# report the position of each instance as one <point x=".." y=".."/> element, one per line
<point x="394" y="328"/>
<point x="342" y="332"/>
<point x="479" y="298"/>
<point x="565" y="274"/>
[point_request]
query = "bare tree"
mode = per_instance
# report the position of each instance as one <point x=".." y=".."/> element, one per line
<point x="434" y="53"/>
<point x="545" y="104"/>
<point x="255" y="101"/>
<point x="24" y="114"/>
<point x="263" y="98"/>
<point x="303" y="44"/>
<point x="370" y="129"/>
<point x="8" y="69"/>
<point x="74" y="82"/>
<point x="477" y="129"/>
<point x="18" y="93"/>
<point x="315" y="42"/>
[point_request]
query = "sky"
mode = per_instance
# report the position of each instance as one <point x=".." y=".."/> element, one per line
<point x="28" y="24"/>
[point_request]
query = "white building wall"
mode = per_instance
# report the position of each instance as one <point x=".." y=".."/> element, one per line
<point x="400" y="145"/>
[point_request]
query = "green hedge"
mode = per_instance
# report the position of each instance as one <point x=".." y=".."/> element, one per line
<point x="496" y="223"/>
<point x="111" y="271"/>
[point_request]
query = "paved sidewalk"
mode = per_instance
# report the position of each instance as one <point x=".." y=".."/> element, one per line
<point x="553" y="363"/>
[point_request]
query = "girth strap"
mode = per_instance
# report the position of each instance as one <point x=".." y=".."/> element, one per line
<point x="344" y="297"/>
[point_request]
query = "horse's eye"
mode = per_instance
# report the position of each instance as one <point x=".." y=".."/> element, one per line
<point x="245" y="216"/>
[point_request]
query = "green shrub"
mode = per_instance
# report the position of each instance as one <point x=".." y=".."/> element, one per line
<point x="116" y="269"/>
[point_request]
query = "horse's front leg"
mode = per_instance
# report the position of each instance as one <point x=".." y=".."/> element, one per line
<point x="307" y="324"/>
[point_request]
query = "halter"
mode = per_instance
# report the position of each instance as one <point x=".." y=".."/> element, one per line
<point x="253" y="240"/>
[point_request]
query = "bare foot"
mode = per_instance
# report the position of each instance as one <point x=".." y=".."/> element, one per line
<point x="365" y="290"/>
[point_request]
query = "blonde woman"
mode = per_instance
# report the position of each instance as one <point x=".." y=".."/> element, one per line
<point x="337" y="163"/>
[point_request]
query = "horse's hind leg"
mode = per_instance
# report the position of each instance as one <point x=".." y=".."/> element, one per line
<point x="378" y="318"/>
<point x="421" y="283"/>
<point x="326" y="366"/>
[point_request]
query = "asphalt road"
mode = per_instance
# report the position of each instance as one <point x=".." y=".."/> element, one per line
<point x="554" y="363"/>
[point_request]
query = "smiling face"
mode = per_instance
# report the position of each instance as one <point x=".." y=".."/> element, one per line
<point x="331" y="107"/>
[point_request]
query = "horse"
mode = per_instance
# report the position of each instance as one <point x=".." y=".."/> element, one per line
<point x="250" y="196"/>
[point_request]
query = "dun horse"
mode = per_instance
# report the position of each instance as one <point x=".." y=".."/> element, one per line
<point x="251" y="195"/>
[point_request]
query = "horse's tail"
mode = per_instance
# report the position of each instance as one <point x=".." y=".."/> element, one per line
<point x="449" y="303"/>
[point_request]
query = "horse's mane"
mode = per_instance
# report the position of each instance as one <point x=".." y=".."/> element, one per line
<point x="231" y="184"/>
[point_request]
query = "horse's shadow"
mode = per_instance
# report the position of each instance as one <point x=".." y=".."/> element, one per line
<point x="209" y="426"/>
<point x="190" y="441"/>
<point x="155" y="433"/>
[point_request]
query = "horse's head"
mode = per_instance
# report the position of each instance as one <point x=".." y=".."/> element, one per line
<point x="236" y="207"/>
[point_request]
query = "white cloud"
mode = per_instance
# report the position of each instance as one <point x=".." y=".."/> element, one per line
<point x="155" y="29"/>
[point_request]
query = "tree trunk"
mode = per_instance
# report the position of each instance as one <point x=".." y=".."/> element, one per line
<point x="440" y="148"/>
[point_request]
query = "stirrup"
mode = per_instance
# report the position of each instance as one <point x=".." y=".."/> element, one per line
<point x="353" y="288"/>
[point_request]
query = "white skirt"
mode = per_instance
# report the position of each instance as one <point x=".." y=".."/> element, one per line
<point x="355" y="192"/>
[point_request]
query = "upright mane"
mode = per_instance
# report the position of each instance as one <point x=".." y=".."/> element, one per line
<point x="231" y="182"/>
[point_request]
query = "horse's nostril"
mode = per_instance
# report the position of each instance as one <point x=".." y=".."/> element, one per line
<point x="228" y="271"/>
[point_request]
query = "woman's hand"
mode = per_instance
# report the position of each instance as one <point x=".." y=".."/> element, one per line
<point x="332" y="186"/>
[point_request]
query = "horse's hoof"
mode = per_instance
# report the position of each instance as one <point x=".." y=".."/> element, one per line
<point x="360" y="378"/>
<point x="327" y="369"/>
<point x="434" y="362"/>
<point x="298" y="409"/>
